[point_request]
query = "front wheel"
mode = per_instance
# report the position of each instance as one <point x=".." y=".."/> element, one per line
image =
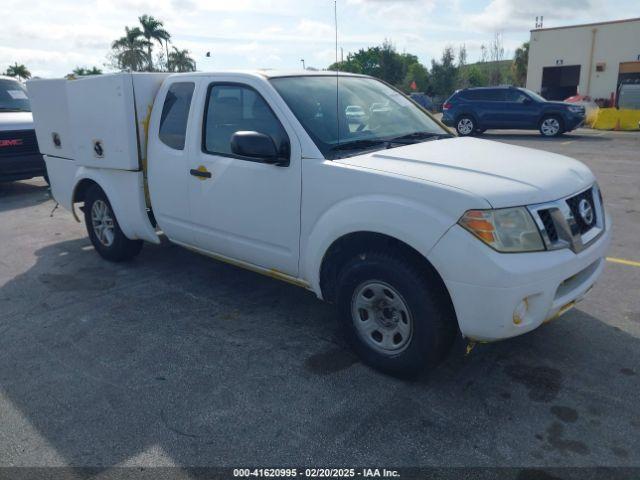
<point x="551" y="126"/>
<point x="103" y="228"/>
<point x="398" y="318"/>
<point x="465" y="126"/>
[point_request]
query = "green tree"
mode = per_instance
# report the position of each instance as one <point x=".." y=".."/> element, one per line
<point x="384" y="62"/>
<point x="130" y="51"/>
<point x="152" y="30"/>
<point x="365" y="61"/>
<point x="19" y="71"/>
<point x="519" y="65"/>
<point x="463" y="71"/>
<point x="180" y="61"/>
<point x="444" y="73"/>
<point x="476" y="77"/>
<point x="393" y="66"/>
<point x="416" y="72"/>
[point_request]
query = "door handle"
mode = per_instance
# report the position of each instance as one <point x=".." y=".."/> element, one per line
<point x="201" y="172"/>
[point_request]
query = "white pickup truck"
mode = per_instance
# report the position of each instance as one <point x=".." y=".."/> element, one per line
<point x="413" y="233"/>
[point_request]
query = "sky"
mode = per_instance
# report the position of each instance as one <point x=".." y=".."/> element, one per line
<point x="51" y="37"/>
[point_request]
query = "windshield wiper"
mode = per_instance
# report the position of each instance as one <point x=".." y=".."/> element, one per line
<point x="9" y="109"/>
<point x="363" y="143"/>
<point x="417" y="136"/>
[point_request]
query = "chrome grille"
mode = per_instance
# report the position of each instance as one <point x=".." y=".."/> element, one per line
<point x="574" y="203"/>
<point x="562" y="225"/>
<point x="549" y="227"/>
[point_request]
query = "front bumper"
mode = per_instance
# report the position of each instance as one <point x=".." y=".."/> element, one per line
<point x="21" y="167"/>
<point x="486" y="286"/>
<point x="574" y="121"/>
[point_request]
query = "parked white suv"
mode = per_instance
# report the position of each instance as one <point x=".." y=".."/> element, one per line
<point x="413" y="233"/>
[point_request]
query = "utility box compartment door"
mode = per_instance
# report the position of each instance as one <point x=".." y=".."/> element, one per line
<point x="102" y="118"/>
<point x="50" y="110"/>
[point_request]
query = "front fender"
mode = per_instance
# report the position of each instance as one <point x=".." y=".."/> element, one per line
<point x="416" y="224"/>
<point x="125" y="191"/>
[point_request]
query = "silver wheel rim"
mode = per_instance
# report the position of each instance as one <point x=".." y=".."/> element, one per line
<point x="381" y="317"/>
<point x="102" y="221"/>
<point x="465" y="126"/>
<point x="550" y="126"/>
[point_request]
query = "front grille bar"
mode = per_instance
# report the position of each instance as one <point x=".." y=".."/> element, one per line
<point x="565" y="231"/>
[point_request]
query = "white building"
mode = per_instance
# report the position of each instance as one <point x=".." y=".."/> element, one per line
<point x="591" y="59"/>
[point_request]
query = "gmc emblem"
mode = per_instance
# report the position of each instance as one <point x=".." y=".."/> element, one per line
<point x="14" y="142"/>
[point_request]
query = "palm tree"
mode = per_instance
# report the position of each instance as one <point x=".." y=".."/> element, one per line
<point x="180" y="61"/>
<point x="19" y="71"/>
<point x="130" y="50"/>
<point x="81" y="71"/>
<point x="152" y="30"/>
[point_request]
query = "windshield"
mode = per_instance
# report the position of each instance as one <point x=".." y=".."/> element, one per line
<point x="13" y="96"/>
<point x="534" y="95"/>
<point x="365" y="115"/>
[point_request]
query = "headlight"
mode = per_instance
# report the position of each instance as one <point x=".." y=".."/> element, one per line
<point x="505" y="229"/>
<point x="576" y="109"/>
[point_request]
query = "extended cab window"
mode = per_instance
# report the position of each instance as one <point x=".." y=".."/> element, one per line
<point x="235" y="108"/>
<point x="175" y="113"/>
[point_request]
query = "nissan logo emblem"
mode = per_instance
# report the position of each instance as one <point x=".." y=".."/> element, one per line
<point x="586" y="211"/>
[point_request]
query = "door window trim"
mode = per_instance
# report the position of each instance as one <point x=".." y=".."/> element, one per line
<point x="205" y="112"/>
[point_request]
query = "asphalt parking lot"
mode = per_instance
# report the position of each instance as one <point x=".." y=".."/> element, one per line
<point x="176" y="359"/>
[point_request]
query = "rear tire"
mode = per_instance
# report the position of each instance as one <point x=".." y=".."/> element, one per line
<point x="465" y="125"/>
<point x="398" y="318"/>
<point x="103" y="229"/>
<point x="551" y="126"/>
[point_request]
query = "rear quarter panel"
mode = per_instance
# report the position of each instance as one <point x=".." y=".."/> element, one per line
<point x="124" y="189"/>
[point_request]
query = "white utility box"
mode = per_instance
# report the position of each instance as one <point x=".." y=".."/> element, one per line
<point x="51" y="117"/>
<point x="107" y="117"/>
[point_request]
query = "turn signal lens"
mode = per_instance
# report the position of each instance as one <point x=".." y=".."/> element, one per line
<point x="505" y="229"/>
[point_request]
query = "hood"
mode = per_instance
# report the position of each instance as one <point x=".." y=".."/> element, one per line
<point x="504" y="175"/>
<point x="16" y="121"/>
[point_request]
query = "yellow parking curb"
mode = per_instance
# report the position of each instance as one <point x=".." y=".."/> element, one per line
<point x="622" y="261"/>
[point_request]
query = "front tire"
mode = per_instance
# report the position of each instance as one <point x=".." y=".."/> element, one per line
<point x="465" y="126"/>
<point x="551" y="126"/>
<point x="397" y="317"/>
<point x="103" y="229"/>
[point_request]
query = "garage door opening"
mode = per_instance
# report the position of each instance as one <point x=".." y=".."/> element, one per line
<point x="559" y="83"/>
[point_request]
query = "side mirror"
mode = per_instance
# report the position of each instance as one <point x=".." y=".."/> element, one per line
<point x="257" y="145"/>
<point x="527" y="101"/>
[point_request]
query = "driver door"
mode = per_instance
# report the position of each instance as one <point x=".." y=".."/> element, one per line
<point x="243" y="208"/>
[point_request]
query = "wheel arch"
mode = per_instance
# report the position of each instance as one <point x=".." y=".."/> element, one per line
<point x="125" y="194"/>
<point x="347" y="246"/>
<point x="555" y="114"/>
<point x="466" y="113"/>
<point x="81" y="188"/>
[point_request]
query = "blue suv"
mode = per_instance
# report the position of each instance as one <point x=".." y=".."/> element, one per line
<point x="474" y="110"/>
